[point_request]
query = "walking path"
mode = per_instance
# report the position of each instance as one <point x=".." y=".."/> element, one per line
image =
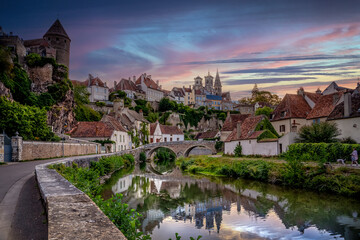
<point x="18" y="193"/>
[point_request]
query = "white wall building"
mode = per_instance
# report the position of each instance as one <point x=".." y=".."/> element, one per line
<point x="165" y="133"/>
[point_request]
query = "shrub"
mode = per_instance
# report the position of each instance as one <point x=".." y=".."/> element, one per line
<point x="164" y="155"/>
<point x="319" y="132"/>
<point x="219" y="145"/>
<point x="142" y="157"/>
<point x="100" y="104"/>
<point x="238" y="151"/>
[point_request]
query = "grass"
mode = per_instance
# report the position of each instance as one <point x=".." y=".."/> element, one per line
<point x="312" y="176"/>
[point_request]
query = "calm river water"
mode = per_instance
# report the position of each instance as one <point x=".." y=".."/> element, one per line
<point x="234" y="209"/>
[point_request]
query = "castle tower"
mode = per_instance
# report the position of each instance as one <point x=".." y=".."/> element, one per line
<point x="60" y="41"/>
<point x="209" y="83"/>
<point x="217" y="85"/>
<point x="198" y="83"/>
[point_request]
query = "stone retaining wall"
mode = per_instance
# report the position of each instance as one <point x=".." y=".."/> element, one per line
<point x="40" y="150"/>
<point x="71" y="213"/>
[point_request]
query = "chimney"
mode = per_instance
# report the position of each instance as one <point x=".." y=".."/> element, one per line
<point x="160" y="87"/>
<point x="347" y="104"/>
<point x="134" y="78"/>
<point x="149" y="76"/>
<point x="142" y="78"/>
<point x="129" y="78"/>
<point x="228" y="115"/>
<point x="300" y="91"/>
<point x="157" y="82"/>
<point x="318" y="91"/>
<point x="238" y="130"/>
<point x="141" y="112"/>
<point x="114" y="85"/>
<point x="190" y="87"/>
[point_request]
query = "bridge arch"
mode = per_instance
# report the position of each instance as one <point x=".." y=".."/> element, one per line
<point x="188" y="150"/>
<point x="149" y="155"/>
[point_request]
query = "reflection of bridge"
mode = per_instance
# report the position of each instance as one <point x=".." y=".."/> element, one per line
<point x="181" y="148"/>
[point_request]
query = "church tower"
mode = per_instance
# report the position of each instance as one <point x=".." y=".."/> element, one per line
<point x="60" y="41"/>
<point x="217" y="85"/>
<point x="198" y="83"/>
<point x="209" y="83"/>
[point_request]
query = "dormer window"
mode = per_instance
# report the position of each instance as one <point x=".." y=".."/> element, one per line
<point x="283" y="114"/>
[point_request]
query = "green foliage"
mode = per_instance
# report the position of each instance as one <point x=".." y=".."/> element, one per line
<point x="267" y="134"/>
<point x="81" y="94"/>
<point x="152" y="117"/>
<point x="120" y="95"/>
<point x="29" y="121"/>
<point x="103" y="142"/>
<point x="222" y="116"/>
<point x="319" y="132"/>
<point x="348" y="140"/>
<point x="264" y="111"/>
<point x="238" y="150"/>
<point x="219" y="145"/>
<point x="166" y="104"/>
<point x="294" y="173"/>
<point x="164" y="156"/>
<point x="261" y="96"/>
<point x="320" y="152"/>
<point x="5" y="61"/>
<point x="266" y="124"/>
<point x="86" y="114"/>
<point x="142" y="157"/>
<point x="100" y="104"/>
<point x="163" y="119"/>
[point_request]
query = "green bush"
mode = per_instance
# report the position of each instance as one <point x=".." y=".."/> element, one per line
<point x="142" y="157"/>
<point x="238" y="150"/>
<point x="219" y="145"/>
<point x="86" y="114"/>
<point x="321" y="152"/>
<point x="323" y="132"/>
<point x="164" y="156"/>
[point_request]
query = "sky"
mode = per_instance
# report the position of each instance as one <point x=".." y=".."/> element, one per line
<point x="280" y="45"/>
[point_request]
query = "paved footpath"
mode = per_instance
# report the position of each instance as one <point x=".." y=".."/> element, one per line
<point x="22" y="215"/>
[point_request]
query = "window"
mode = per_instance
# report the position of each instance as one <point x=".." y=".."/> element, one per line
<point x="282" y="128"/>
<point x="316" y="120"/>
<point x="57" y="39"/>
<point x="64" y="41"/>
<point x="178" y="139"/>
<point x="280" y="148"/>
<point x="170" y="139"/>
<point x="165" y="139"/>
<point x="283" y="114"/>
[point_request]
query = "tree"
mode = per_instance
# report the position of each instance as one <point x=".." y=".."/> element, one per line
<point x="264" y="111"/>
<point x="319" y="132"/>
<point x="165" y="105"/>
<point x="81" y="94"/>
<point x="5" y="61"/>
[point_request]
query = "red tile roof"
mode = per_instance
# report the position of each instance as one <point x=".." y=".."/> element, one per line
<point x="165" y="129"/>
<point x="313" y="96"/>
<point x="92" y="130"/>
<point x="95" y="82"/>
<point x="113" y="122"/>
<point x="325" y="105"/>
<point x="187" y="89"/>
<point x="204" y="135"/>
<point x="125" y="84"/>
<point x="338" y="111"/>
<point x="36" y="42"/>
<point x="152" y="128"/>
<point x="292" y="106"/>
<point x="247" y="129"/>
<point x="77" y="82"/>
<point x="148" y="82"/>
<point x="230" y="122"/>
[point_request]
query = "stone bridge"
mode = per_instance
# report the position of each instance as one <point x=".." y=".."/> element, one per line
<point x="181" y="148"/>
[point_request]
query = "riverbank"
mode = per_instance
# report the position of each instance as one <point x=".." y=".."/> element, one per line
<point x="311" y="176"/>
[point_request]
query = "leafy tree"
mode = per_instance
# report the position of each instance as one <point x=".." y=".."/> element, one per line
<point x="264" y="111"/>
<point x="153" y="117"/>
<point x="319" y="132"/>
<point x="5" y="61"/>
<point x="29" y="121"/>
<point x="84" y="113"/>
<point x="238" y="150"/>
<point x="81" y="94"/>
<point x="261" y="96"/>
<point x="164" y="155"/>
<point x="165" y="105"/>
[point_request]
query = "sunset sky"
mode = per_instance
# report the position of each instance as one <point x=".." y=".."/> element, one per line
<point x="280" y="45"/>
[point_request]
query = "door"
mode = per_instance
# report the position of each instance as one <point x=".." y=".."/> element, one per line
<point x="7" y="149"/>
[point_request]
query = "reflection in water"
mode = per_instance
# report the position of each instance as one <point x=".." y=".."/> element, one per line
<point x="238" y="209"/>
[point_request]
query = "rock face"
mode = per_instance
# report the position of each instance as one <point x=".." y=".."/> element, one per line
<point x="4" y="91"/>
<point x="61" y="116"/>
<point x="42" y="77"/>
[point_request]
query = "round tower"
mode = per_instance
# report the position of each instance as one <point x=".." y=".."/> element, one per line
<point x="60" y="41"/>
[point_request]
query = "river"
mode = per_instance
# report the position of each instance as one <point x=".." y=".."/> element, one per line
<point x="218" y="208"/>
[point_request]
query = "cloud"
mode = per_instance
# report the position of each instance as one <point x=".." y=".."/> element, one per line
<point x="264" y="80"/>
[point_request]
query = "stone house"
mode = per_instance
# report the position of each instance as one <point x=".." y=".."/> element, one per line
<point x="246" y="135"/>
<point x="199" y="98"/>
<point x="178" y="95"/>
<point x="189" y="95"/>
<point x="129" y="87"/>
<point x="165" y="133"/>
<point x="152" y="90"/>
<point x="244" y="108"/>
<point x="96" y="87"/>
<point x="227" y="105"/>
<point x="347" y="115"/>
<point x="230" y="123"/>
<point x="92" y="131"/>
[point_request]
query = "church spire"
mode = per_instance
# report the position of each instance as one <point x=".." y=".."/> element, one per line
<point x="217" y="84"/>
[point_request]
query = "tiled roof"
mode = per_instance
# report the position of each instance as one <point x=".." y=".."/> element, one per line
<point x="338" y="111"/>
<point x="247" y="129"/>
<point x="292" y="106"/>
<point x="152" y="128"/>
<point x="213" y="97"/>
<point x="148" y="82"/>
<point x="95" y="82"/>
<point x="125" y="84"/>
<point x="165" y="129"/>
<point x="113" y="122"/>
<point x="77" y="82"/>
<point x="36" y="42"/>
<point x="204" y="135"/>
<point x="187" y="89"/>
<point x="313" y="96"/>
<point x="230" y="123"/>
<point x="57" y="29"/>
<point x="92" y="130"/>
<point x="325" y="105"/>
<point x="178" y="92"/>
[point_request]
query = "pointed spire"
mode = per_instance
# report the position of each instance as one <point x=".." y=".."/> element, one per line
<point x="57" y="29"/>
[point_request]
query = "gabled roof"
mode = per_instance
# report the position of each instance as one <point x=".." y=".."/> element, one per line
<point x="247" y="129"/>
<point x="187" y="89"/>
<point x="113" y="122"/>
<point x="325" y="105"/>
<point x="95" y="82"/>
<point x="230" y="122"/>
<point x="338" y="111"/>
<point x="204" y="135"/>
<point x="92" y="130"/>
<point x="336" y="87"/>
<point x="79" y="83"/>
<point x="148" y="82"/>
<point x="178" y="92"/>
<point x="213" y="97"/>
<point x="57" y="29"/>
<point x="292" y="106"/>
<point x="165" y="129"/>
<point x="125" y="84"/>
<point x="36" y="42"/>
<point x="313" y="96"/>
<point x="152" y="128"/>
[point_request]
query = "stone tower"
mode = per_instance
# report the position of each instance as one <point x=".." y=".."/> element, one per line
<point x="198" y="83"/>
<point x="60" y="41"/>
<point x="209" y="83"/>
<point x="217" y="85"/>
